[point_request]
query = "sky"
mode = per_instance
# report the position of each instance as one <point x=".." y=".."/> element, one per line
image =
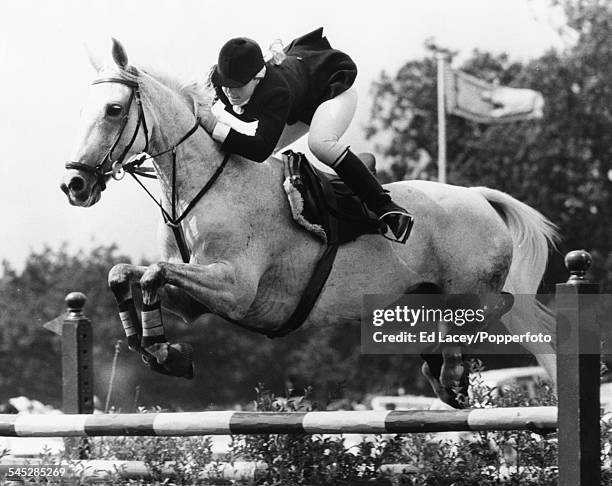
<point x="44" y="48"/>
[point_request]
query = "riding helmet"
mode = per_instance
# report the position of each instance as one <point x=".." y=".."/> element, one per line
<point x="240" y="59"/>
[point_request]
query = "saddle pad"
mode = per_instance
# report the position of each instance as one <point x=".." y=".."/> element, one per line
<point x="322" y="204"/>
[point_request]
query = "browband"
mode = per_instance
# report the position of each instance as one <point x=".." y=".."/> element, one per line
<point x="127" y="82"/>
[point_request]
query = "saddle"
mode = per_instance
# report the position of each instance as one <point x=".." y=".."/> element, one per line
<point x="322" y="204"/>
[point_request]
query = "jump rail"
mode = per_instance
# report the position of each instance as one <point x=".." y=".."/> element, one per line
<point x="228" y="423"/>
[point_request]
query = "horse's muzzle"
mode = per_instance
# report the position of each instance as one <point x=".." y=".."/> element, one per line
<point x="80" y="189"/>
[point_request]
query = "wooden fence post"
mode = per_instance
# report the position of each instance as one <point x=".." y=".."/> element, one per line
<point x="77" y="359"/>
<point x="578" y="371"/>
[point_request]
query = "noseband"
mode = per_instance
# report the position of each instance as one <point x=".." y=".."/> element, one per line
<point x="116" y="165"/>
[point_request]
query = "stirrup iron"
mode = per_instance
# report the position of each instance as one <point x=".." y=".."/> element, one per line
<point x="389" y="234"/>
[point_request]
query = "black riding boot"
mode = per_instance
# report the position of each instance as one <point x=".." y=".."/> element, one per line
<point x="363" y="183"/>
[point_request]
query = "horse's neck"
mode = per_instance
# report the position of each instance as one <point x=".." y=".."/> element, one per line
<point x="171" y="121"/>
<point x="198" y="157"/>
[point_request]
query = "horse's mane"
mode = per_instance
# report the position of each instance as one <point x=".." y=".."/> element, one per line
<point x="193" y="92"/>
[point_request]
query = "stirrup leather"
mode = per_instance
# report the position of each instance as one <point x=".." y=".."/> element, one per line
<point x="388" y="232"/>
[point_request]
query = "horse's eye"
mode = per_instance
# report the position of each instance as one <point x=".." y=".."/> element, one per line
<point x="113" y="110"/>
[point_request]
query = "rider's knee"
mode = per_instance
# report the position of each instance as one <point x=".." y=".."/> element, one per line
<point x="327" y="149"/>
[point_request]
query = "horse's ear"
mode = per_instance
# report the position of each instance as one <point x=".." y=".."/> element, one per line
<point x="119" y="54"/>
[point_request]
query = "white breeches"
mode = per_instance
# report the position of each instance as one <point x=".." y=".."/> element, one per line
<point x="329" y="122"/>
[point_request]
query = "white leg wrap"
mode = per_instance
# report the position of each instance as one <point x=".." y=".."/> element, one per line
<point x="128" y="325"/>
<point x="152" y="323"/>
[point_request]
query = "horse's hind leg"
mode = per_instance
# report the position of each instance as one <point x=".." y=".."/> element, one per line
<point x="530" y="316"/>
<point x="445" y="368"/>
<point x="447" y="374"/>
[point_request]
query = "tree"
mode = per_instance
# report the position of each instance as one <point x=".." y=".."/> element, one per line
<point x="561" y="165"/>
<point x="30" y="358"/>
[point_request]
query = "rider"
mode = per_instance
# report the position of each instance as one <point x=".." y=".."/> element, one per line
<point x="263" y="107"/>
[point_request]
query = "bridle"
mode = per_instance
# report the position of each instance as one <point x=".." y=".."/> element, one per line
<point x="118" y="168"/>
<point x="116" y="165"/>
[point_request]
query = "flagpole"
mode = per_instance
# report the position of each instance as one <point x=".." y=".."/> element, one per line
<point x="441" y="58"/>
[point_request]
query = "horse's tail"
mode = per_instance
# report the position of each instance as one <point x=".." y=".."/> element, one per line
<point x="532" y="234"/>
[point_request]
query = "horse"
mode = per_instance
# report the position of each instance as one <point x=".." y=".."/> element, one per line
<point x="246" y="259"/>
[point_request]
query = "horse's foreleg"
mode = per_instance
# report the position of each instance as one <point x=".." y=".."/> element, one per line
<point x="181" y="304"/>
<point x="219" y="287"/>
<point x="214" y="286"/>
<point x="120" y="280"/>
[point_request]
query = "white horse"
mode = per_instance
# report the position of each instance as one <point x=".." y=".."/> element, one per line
<point x="249" y="262"/>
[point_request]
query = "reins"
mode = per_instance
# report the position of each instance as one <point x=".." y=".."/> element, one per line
<point x="133" y="167"/>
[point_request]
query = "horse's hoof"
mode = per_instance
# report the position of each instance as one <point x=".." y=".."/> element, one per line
<point x="152" y="363"/>
<point x="452" y="370"/>
<point x="455" y="396"/>
<point x="179" y="362"/>
<point x="185" y="349"/>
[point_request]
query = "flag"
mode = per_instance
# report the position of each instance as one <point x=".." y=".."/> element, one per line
<point x="477" y="100"/>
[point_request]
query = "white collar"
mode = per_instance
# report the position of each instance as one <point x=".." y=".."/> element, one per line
<point x="239" y="109"/>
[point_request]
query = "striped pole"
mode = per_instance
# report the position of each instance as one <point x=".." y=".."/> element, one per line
<point x="229" y="422"/>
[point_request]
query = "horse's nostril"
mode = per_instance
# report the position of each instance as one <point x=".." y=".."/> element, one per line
<point x="76" y="184"/>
